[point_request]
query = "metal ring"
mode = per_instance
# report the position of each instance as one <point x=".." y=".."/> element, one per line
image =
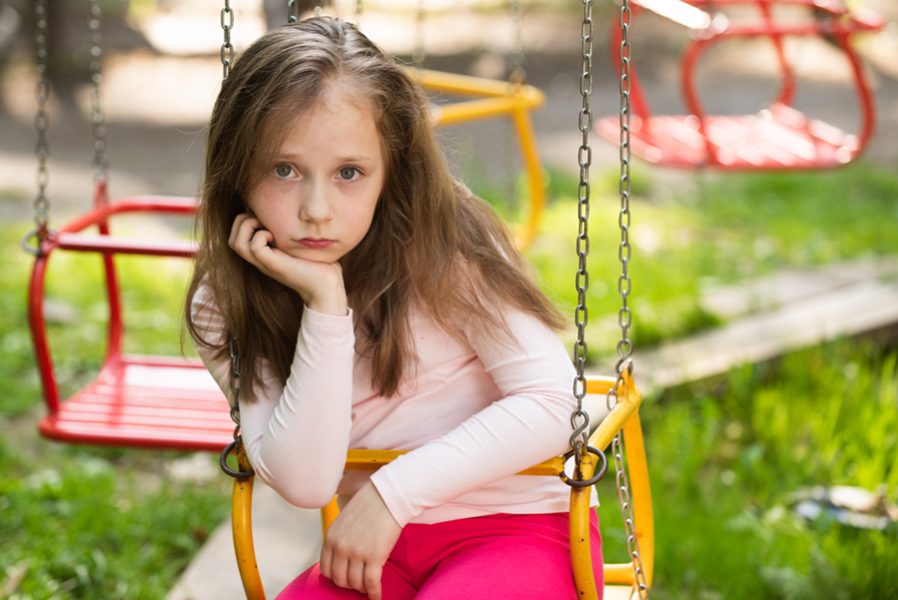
<point x="600" y="471"/>
<point x="34" y="249"/>
<point x="223" y="463"/>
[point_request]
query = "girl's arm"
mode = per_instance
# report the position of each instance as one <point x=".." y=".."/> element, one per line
<point x="296" y="434"/>
<point x="529" y="424"/>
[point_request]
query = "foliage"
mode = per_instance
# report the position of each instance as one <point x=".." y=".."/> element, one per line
<point x="90" y="522"/>
<point x="726" y="456"/>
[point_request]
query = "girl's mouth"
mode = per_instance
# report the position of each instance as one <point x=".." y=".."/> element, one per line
<point x="315" y="243"/>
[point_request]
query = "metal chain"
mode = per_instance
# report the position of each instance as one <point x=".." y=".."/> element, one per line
<point x="227" y="50"/>
<point x="625" y="346"/>
<point x="419" y="54"/>
<point x="292" y="11"/>
<point x="98" y="119"/>
<point x="41" y="124"/>
<point x="227" y="59"/>
<point x="579" y="418"/>
<point x="236" y="446"/>
<point x="516" y="73"/>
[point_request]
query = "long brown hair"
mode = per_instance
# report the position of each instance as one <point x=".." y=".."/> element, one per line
<point x="431" y="241"/>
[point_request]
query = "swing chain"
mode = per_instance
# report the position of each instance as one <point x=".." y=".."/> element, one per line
<point x="236" y="446"/>
<point x="42" y="124"/>
<point x="517" y="74"/>
<point x="419" y="52"/>
<point x="292" y="11"/>
<point x="227" y="49"/>
<point x="580" y="418"/>
<point x="98" y="119"/>
<point x="625" y="346"/>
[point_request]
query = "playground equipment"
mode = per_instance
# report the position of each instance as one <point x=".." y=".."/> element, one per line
<point x="779" y="136"/>
<point x="170" y="402"/>
<point x="620" y="429"/>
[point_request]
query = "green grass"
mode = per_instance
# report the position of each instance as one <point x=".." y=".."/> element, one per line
<point x="725" y="456"/>
<point x="712" y="232"/>
<point x="80" y="522"/>
<point x="88" y="522"/>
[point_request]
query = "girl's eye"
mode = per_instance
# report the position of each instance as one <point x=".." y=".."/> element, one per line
<point x="348" y="173"/>
<point x="283" y="170"/>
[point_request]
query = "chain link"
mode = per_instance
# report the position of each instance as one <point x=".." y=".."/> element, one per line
<point x="227" y="50"/>
<point x="624" y="345"/>
<point x="41" y="202"/>
<point x="516" y="73"/>
<point x="98" y="118"/>
<point x="419" y="53"/>
<point x="292" y="11"/>
<point x="227" y="59"/>
<point x="579" y="418"/>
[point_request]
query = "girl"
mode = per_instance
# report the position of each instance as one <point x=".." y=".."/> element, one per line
<point x="376" y="303"/>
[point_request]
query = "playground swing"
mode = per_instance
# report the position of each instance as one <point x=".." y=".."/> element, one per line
<point x="620" y="429"/>
<point x="778" y="137"/>
<point x="134" y="401"/>
<point x="492" y="98"/>
<point x="171" y="402"/>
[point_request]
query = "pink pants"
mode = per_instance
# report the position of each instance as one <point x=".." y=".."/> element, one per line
<point x="499" y="557"/>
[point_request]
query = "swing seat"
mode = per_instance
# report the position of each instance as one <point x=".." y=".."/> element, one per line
<point x="620" y="580"/>
<point x="779" y="137"/>
<point x="490" y="99"/>
<point x="134" y="401"/>
<point x="145" y="402"/>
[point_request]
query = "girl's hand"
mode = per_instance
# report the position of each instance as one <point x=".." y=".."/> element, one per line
<point x="359" y="542"/>
<point x="320" y="285"/>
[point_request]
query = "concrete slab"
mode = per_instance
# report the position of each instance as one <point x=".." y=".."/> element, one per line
<point x="848" y="311"/>
<point x="286" y="539"/>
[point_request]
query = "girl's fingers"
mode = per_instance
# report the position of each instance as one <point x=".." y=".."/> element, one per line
<point x="355" y="574"/>
<point x="325" y="561"/>
<point x="339" y="569"/>
<point x="373" y="574"/>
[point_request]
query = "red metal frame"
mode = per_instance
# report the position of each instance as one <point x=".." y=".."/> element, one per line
<point x="135" y="401"/>
<point x="777" y="138"/>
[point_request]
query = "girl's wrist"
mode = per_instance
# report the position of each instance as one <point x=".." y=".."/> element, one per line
<point x="333" y="303"/>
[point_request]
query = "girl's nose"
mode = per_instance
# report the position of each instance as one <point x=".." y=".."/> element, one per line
<point x="315" y="206"/>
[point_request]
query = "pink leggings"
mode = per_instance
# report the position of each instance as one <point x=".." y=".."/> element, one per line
<point x="496" y="557"/>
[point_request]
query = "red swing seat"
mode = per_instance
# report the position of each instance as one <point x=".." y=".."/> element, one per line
<point x="779" y="137"/>
<point x="134" y="401"/>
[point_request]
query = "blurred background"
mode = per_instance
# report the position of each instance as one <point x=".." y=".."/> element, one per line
<point x="763" y="302"/>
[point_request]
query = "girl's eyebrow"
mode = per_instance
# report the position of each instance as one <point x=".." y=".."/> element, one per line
<point x="348" y="158"/>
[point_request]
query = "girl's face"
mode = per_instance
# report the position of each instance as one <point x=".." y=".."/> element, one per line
<point x="318" y="195"/>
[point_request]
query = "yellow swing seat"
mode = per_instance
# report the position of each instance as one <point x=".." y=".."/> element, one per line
<point x="620" y="581"/>
<point x="495" y="98"/>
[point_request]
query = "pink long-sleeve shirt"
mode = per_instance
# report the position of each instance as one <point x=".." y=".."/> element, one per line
<point x="473" y="411"/>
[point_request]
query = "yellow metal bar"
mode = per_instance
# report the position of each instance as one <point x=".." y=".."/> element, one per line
<point x="359" y="459"/>
<point x="328" y="514"/>
<point x="534" y="170"/>
<point x="581" y="557"/>
<point x="472" y="110"/>
<point x="627" y="406"/>
<point x="242" y="529"/>
<point x="467" y="85"/>
<point x="641" y="493"/>
<point x="617" y="573"/>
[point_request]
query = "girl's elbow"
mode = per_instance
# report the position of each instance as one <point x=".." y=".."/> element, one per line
<point x="309" y="489"/>
<point x="304" y="492"/>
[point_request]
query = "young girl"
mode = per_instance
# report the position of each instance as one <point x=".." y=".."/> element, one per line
<point x="376" y="303"/>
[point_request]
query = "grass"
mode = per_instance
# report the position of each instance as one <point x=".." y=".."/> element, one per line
<point x="727" y="454"/>
<point x="87" y="522"/>
<point x="724" y="454"/>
